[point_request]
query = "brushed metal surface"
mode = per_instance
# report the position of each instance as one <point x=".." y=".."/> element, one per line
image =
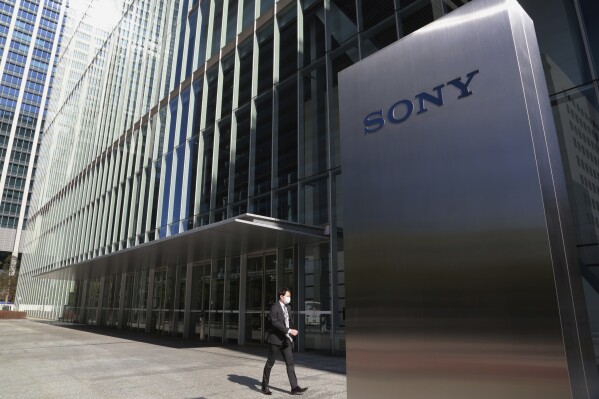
<point x="457" y="236"/>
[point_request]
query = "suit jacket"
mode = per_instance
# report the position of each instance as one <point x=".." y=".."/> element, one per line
<point x="278" y="331"/>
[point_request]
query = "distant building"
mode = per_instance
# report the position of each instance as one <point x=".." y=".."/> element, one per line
<point x="29" y="41"/>
<point x="191" y="166"/>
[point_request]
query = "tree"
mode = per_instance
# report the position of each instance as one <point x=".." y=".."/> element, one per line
<point x="8" y="278"/>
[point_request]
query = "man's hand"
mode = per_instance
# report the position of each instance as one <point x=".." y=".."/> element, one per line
<point x="293" y="332"/>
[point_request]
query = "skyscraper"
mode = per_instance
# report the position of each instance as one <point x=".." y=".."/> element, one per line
<point x="29" y="42"/>
<point x="191" y="161"/>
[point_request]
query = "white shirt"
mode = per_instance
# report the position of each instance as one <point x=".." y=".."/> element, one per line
<point x="286" y="318"/>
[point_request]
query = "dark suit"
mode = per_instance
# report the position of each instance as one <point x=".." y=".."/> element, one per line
<point x="278" y="341"/>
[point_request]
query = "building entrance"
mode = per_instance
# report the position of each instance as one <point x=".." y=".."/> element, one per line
<point x="200" y="300"/>
<point x="162" y="296"/>
<point x="261" y="287"/>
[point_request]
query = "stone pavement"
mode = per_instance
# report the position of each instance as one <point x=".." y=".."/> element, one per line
<point x="46" y="360"/>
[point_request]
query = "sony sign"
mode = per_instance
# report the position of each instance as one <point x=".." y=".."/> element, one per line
<point x="460" y="268"/>
<point x="400" y="111"/>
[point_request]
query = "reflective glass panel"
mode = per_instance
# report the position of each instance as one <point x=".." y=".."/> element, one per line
<point x="248" y="13"/>
<point x="263" y="155"/>
<point x="314" y="39"/>
<point x="343" y="21"/>
<point x="288" y="45"/>
<point x="560" y="42"/>
<point x="222" y="180"/>
<point x="415" y="18"/>
<point x="317" y="307"/>
<point x="576" y="115"/>
<point x="340" y="61"/>
<point x="245" y="72"/>
<point x="372" y="15"/>
<point x="314" y="121"/>
<point x="287" y="134"/>
<point x="379" y="38"/>
<point x="316" y="203"/>
<point x="228" y="65"/>
<point x="217" y="24"/>
<point x="231" y="20"/>
<point x="265" y="59"/>
<point x="590" y="10"/>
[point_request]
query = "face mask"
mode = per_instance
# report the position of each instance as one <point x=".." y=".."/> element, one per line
<point x="286" y="299"/>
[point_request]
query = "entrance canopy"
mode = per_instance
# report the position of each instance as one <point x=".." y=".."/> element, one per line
<point x="231" y="237"/>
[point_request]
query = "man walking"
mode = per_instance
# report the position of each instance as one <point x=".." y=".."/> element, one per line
<point x="280" y="339"/>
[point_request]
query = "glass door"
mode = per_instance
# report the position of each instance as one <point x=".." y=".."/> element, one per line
<point x="231" y="313"/>
<point x="107" y="296"/>
<point x="92" y="301"/>
<point x="131" y="299"/>
<point x="136" y="297"/>
<point x="179" y="313"/>
<point x="110" y="301"/>
<point x="217" y="287"/>
<point x="261" y="287"/>
<point x="200" y="297"/>
<point x="254" y="298"/>
<point x="270" y="281"/>
<point x="162" y="301"/>
<point x="159" y="301"/>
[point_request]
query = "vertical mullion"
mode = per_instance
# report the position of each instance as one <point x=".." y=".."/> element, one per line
<point x="332" y="280"/>
<point x="137" y="222"/>
<point x="201" y="146"/>
<point x="300" y="118"/>
<point x="175" y="159"/>
<point x="130" y="190"/>
<point x="117" y="194"/>
<point x="253" y="112"/>
<point x="161" y="158"/>
<point x="274" y="170"/>
<point x="101" y="193"/>
<point x="184" y="204"/>
<point x="233" y="135"/>
<point x="216" y="138"/>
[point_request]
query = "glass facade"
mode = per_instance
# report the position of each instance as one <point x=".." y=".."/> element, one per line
<point x="30" y="34"/>
<point x="189" y="114"/>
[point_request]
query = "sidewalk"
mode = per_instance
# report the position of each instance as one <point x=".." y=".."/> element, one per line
<point x="43" y="360"/>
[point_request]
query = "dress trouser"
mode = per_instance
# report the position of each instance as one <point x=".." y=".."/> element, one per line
<point x="287" y="353"/>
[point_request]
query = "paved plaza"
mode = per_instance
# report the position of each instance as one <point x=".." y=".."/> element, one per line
<point x="46" y="360"/>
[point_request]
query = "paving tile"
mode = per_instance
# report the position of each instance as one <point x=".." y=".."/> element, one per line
<point x="41" y="360"/>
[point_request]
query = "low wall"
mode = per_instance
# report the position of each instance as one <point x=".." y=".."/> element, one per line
<point x="7" y="314"/>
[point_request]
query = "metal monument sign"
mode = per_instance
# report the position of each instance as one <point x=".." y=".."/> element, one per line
<point x="461" y="277"/>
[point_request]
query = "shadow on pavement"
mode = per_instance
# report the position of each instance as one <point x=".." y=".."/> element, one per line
<point x="251" y="383"/>
<point x="313" y="360"/>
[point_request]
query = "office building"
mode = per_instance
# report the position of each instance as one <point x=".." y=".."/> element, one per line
<point x="29" y="41"/>
<point x="193" y="167"/>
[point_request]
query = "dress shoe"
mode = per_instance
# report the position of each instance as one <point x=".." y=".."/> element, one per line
<point x="266" y="391"/>
<point x="298" y="391"/>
